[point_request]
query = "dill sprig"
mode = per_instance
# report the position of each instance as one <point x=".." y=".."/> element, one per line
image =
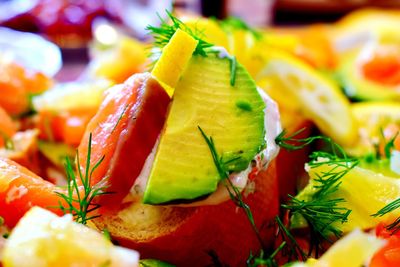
<point x="233" y="191"/>
<point x="79" y="198"/>
<point x="292" y="250"/>
<point x="388" y="145"/>
<point x="322" y="212"/>
<point x="392" y="206"/>
<point x="263" y="260"/>
<point x="292" y="142"/>
<point x="165" y="31"/>
<point x="233" y="65"/>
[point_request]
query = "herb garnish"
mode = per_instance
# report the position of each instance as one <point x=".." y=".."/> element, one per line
<point x="164" y="33"/>
<point x="262" y="260"/>
<point x="292" y="250"/>
<point x="79" y="199"/>
<point x="395" y="226"/>
<point x="321" y="211"/>
<point x="392" y="206"/>
<point x="232" y="64"/>
<point x="120" y="117"/>
<point x="233" y="191"/>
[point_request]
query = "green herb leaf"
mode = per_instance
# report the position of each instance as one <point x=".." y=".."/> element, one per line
<point x="233" y="64"/>
<point x="262" y="260"/>
<point x="321" y="211"/>
<point x="79" y="198"/>
<point x="392" y="206"/>
<point x="233" y="191"/>
<point x="292" y="250"/>
<point x="165" y="31"/>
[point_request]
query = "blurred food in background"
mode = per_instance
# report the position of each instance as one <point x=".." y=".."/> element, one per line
<point x="338" y="77"/>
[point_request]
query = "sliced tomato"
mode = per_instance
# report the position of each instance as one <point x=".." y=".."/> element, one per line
<point x="124" y="131"/>
<point x="21" y="189"/>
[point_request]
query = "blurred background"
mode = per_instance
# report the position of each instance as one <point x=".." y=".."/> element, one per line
<point x="69" y="23"/>
<point x="73" y="24"/>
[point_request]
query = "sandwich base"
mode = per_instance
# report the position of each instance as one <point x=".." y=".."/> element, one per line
<point x="189" y="236"/>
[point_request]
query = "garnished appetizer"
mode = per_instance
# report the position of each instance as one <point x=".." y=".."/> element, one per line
<point x="177" y="164"/>
<point x="188" y="165"/>
<point x="203" y="162"/>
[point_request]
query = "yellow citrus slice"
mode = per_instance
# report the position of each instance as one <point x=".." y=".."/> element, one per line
<point x="42" y="239"/>
<point x="365" y="192"/>
<point x="319" y="98"/>
<point x="353" y="250"/>
<point x="173" y="60"/>
<point x="372" y="118"/>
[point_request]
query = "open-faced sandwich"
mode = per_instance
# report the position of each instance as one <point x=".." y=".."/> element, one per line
<point x="188" y="165"/>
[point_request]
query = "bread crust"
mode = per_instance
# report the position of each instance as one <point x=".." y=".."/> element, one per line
<point x="184" y="236"/>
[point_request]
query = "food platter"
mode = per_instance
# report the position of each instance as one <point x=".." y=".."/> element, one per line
<point x="208" y="143"/>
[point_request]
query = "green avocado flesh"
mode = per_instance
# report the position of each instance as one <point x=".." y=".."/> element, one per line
<point x="233" y="116"/>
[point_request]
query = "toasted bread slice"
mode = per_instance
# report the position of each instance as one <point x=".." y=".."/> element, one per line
<point x="186" y="236"/>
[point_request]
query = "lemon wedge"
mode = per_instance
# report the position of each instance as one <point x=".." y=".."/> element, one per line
<point x="371" y="119"/>
<point x="353" y="250"/>
<point x="174" y="58"/>
<point x="320" y="99"/>
<point x="43" y="239"/>
<point x="72" y="95"/>
<point x="365" y="192"/>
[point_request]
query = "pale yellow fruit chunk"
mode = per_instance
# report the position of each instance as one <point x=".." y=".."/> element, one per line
<point x="42" y="239"/>
<point x="319" y="99"/>
<point x="365" y="192"/>
<point x="353" y="250"/>
<point x="174" y="58"/>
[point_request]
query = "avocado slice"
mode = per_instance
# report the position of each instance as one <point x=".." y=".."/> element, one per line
<point x="233" y="115"/>
<point x="357" y="86"/>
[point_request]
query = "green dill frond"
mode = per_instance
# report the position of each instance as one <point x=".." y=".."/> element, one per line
<point x="233" y="191"/>
<point x="233" y="65"/>
<point x="234" y="23"/>
<point x="120" y="117"/>
<point x="322" y="211"/>
<point x="292" y="142"/>
<point x="262" y="260"/>
<point x="165" y="31"/>
<point x="292" y="250"/>
<point x="79" y="198"/>
<point x="389" y="145"/>
<point x="392" y="206"/>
